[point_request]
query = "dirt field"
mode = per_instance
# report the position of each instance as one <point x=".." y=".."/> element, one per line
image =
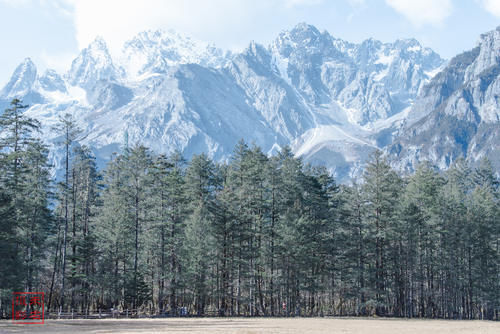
<point x="256" y="325"/>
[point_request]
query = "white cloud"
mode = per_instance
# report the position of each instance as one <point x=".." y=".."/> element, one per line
<point x="492" y="6"/>
<point x="421" y="12"/>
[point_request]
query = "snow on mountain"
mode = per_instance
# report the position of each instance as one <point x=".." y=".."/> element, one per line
<point x="22" y="80"/>
<point x="93" y="64"/>
<point x="332" y="101"/>
<point x="281" y="107"/>
<point x="373" y="79"/>
<point x="458" y="112"/>
<point x="50" y="81"/>
<point x="155" y="51"/>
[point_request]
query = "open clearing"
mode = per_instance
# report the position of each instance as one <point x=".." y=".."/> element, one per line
<point x="256" y="325"/>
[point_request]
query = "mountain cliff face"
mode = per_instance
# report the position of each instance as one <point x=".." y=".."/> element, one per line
<point x="373" y="79"/>
<point x="332" y="101"/>
<point x="464" y="100"/>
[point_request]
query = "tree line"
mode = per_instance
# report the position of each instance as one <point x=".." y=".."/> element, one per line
<point x="253" y="236"/>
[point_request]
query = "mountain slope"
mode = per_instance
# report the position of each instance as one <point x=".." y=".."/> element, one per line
<point x="333" y="101"/>
<point x="464" y="100"/>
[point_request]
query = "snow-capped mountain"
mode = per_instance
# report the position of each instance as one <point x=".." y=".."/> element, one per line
<point x="92" y="65"/>
<point x="464" y="100"/>
<point x="333" y="101"/>
<point x="374" y="80"/>
<point x="156" y="51"/>
<point x="22" y="83"/>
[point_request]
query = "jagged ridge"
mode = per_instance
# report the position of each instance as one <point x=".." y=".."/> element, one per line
<point x="333" y="101"/>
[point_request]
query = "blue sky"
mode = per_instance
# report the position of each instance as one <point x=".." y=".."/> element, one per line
<point x="52" y="32"/>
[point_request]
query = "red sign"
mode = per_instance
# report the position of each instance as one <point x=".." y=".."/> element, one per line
<point x="28" y="308"/>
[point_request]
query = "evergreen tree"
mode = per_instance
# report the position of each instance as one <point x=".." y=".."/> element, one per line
<point x="416" y="237"/>
<point x="257" y="235"/>
<point x="484" y="233"/>
<point x="24" y="213"/>
<point x="68" y="131"/>
<point x="381" y="190"/>
<point x="201" y="185"/>
<point x="115" y="235"/>
<point x="168" y="227"/>
<point x="84" y="198"/>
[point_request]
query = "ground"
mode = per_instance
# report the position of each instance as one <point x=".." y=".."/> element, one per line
<point x="256" y="325"/>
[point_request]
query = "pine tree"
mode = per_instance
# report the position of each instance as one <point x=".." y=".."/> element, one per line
<point x="137" y="171"/>
<point x="257" y="235"/>
<point x="36" y="214"/>
<point x="168" y="227"/>
<point x="289" y="228"/>
<point x="454" y="239"/>
<point x="239" y="185"/>
<point x="10" y="271"/>
<point x="68" y="131"/>
<point x="351" y="241"/>
<point x="201" y="185"/>
<point x="381" y="191"/>
<point x="25" y="184"/>
<point x="258" y="209"/>
<point x="114" y="235"/>
<point x="273" y="176"/>
<point x="224" y="236"/>
<point x="84" y="198"/>
<point x="484" y="247"/>
<point x="318" y="228"/>
<point x="416" y="237"/>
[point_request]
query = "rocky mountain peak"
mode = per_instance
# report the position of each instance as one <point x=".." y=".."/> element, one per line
<point x="94" y="63"/>
<point x="153" y="51"/>
<point x="51" y="81"/>
<point x="303" y="29"/>
<point x="303" y="38"/>
<point x="459" y="111"/>
<point x="21" y="81"/>
<point x="489" y="54"/>
<point x="333" y="101"/>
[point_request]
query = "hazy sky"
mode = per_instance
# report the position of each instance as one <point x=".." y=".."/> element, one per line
<point x="52" y="32"/>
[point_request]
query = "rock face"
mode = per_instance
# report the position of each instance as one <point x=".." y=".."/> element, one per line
<point x="332" y="101"/>
<point x="92" y="65"/>
<point x="464" y="100"/>
<point x="22" y="83"/>
<point x="373" y="79"/>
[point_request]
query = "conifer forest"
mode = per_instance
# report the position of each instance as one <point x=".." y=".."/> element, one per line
<point x="257" y="235"/>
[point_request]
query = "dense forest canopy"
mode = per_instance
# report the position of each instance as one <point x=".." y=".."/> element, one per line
<point x="256" y="236"/>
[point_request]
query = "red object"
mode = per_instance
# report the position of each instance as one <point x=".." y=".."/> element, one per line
<point x="20" y="315"/>
<point x="35" y="300"/>
<point x="25" y="313"/>
<point x="20" y="300"/>
<point x="36" y="315"/>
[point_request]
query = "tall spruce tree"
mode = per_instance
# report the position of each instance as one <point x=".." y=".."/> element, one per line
<point x="257" y="235"/>
<point x="381" y="190"/>
<point x="25" y="184"/>
<point x="201" y="184"/>
<point x="68" y="131"/>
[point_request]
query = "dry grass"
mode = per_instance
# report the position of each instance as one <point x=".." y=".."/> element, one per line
<point x="256" y="325"/>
